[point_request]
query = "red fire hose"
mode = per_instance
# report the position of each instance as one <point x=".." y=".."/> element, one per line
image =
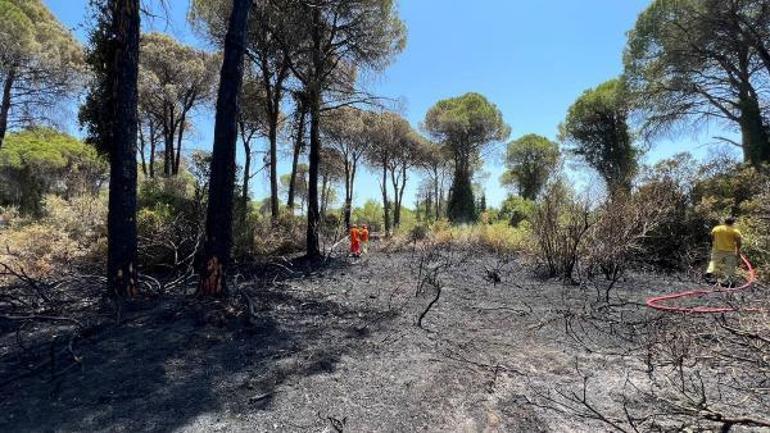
<point x="657" y="301"/>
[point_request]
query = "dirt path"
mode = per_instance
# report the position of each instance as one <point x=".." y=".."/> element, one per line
<point x="335" y="351"/>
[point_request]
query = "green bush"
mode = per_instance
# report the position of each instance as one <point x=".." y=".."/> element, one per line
<point x="419" y="232"/>
<point x="682" y="235"/>
<point x="697" y="197"/>
<point x="371" y="213"/>
<point x="515" y="210"/>
<point x="41" y="161"/>
<point x="169" y="223"/>
<point x="287" y="237"/>
<point x="498" y="238"/>
<point x="560" y="226"/>
<point x="755" y="227"/>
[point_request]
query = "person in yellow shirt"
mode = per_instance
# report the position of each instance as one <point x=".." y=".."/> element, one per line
<point x="725" y="250"/>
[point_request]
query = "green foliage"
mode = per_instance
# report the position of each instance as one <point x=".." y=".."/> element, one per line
<point x="287" y="237"/>
<point x="300" y="183"/>
<point x="464" y="125"/>
<point x="19" y="32"/>
<point x="690" y="62"/>
<point x="755" y="227"/>
<point x="498" y="238"/>
<point x="32" y="33"/>
<point x="723" y="186"/>
<point x="41" y="58"/>
<point x="683" y="234"/>
<point x="174" y="79"/>
<point x="597" y="129"/>
<point x="462" y="206"/>
<point x="169" y="222"/>
<point x="560" y="225"/>
<point x="696" y="197"/>
<point x="40" y="161"/>
<point x="515" y="210"/>
<point x="370" y="213"/>
<point x="95" y="115"/>
<point x="530" y="161"/>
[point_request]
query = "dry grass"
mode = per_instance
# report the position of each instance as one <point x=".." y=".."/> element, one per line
<point x="72" y="231"/>
<point x="498" y="238"/>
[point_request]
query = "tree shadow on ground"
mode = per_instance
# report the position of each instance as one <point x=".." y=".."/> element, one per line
<point x="178" y="359"/>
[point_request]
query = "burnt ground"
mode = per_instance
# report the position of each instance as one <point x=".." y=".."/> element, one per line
<point x="330" y="349"/>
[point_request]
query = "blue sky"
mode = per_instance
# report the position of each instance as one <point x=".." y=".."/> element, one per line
<point x="532" y="58"/>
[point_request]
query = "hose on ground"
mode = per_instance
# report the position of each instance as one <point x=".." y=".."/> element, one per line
<point x="658" y="302"/>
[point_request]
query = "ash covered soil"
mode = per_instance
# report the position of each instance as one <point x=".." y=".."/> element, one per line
<point x="330" y="349"/>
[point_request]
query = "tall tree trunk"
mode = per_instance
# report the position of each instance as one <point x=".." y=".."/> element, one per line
<point x="324" y="194"/>
<point x="219" y="217"/>
<point x="396" y="205"/>
<point x="385" y="203"/>
<point x="398" y="177"/>
<point x="179" y="138"/>
<point x="462" y="205"/>
<point x="436" y="195"/>
<point x="313" y="215"/>
<point x="351" y="167"/>
<point x="142" y="149"/>
<point x="121" y="218"/>
<point x="756" y="147"/>
<point x="246" y="176"/>
<point x="273" y="137"/>
<point x="274" y="95"/>
<point x="400" y="193"/>
<point x="153" y="141"/>
<point x="298" y="145"/>
<point x="5" y="103"/>
<point x="168" y="151"/>
<point x="314" y="157"/>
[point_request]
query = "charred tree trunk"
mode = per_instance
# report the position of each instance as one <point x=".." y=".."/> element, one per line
<point x="314" y="157"/>
<point x="462" y="205"/>
<point x="351" y="166"/>
<point x="396" y="205"/>
<point x="325" y="191"/>
<point x="121" y="219"/>
<point x="142" y="149"/>
<point x="398" y="178"/>
<point x="400" y="194"/>
<point x="219" y="217"/>
<point x="168" y="150"/>
<point x="179" y="138"/>
<point x="313" y="215"/>
<point x="273" y="138"/>
<point x="153" y="141"/>
<point x="246" y="177"/>
<point x="274" y="92"/>
<point x="385" y="203"/>
<point x="347" y="211"/>
<point x="5" y="103"/>
<point x="436" y="195"/>
<point x="756" y="147"/>
<point x="298" y="145"/>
